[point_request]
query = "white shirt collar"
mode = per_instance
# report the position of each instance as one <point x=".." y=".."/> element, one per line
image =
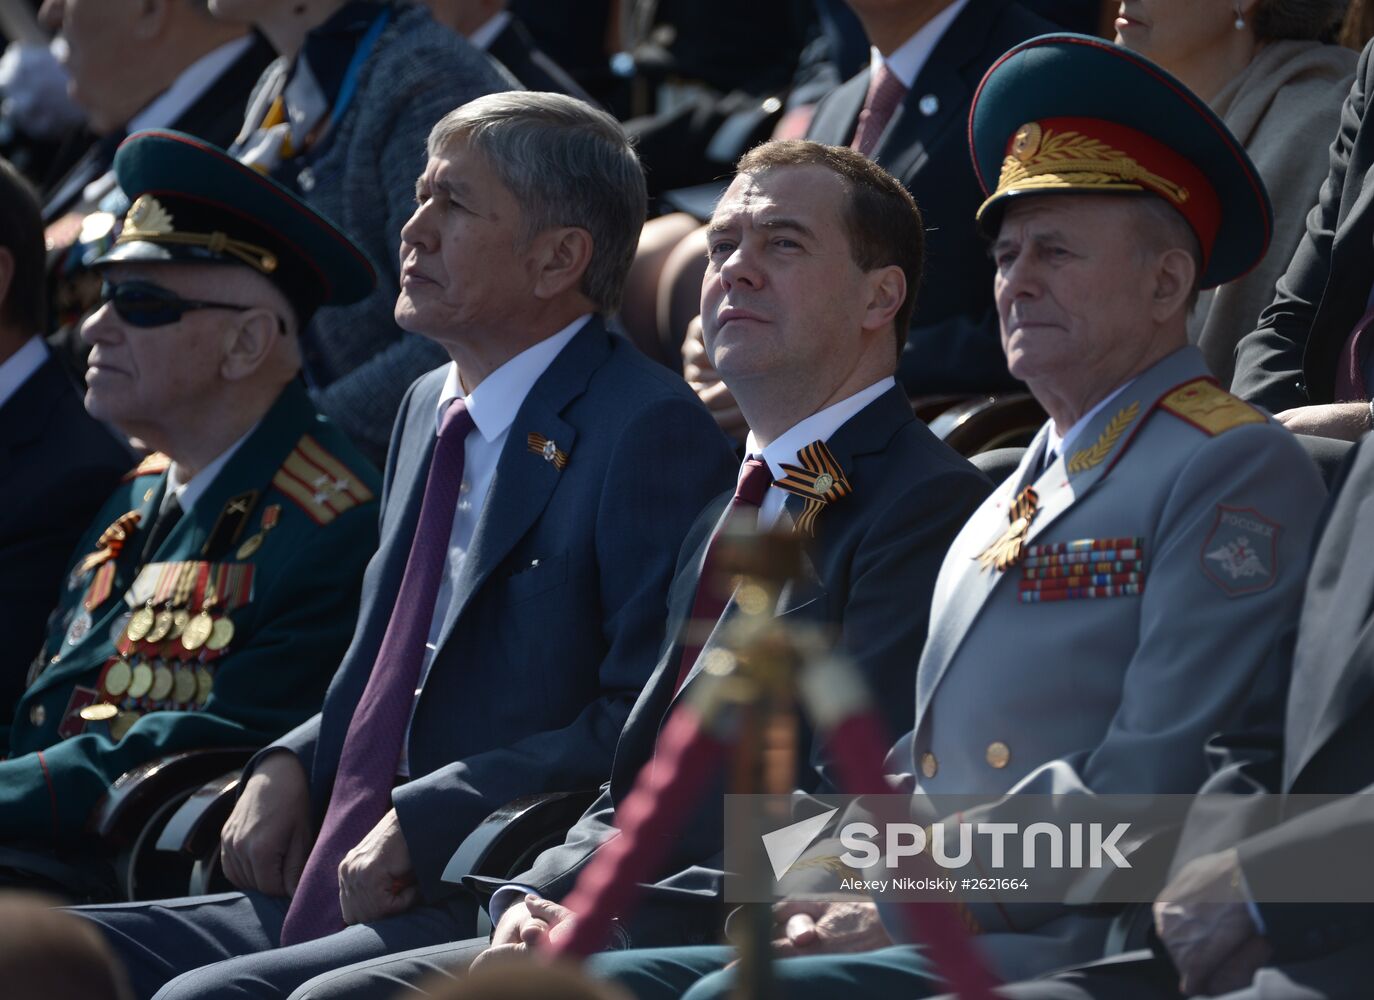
<point x="494" y="404"/>
<point x="482" y="37"/>
<point x="189" y="491"/>
<point x="1054" y="443"/>
<point x="19" y="367"/>
<point x="817" y="427"/>
<point x="907" y="61"/>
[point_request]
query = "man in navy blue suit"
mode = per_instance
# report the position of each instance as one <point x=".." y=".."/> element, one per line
<point x="536" y="492"/>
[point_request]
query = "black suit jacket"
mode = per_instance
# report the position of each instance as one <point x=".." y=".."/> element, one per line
<point x="215" y="116"/>
<point x="873" y="567"/>
<point x="1291" y="358"/>
<point x="954" y="344"/>
<point x="515" y="49"/>
<point x="58" y="465"/>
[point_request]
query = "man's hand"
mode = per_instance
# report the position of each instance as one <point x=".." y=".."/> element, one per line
<point x="523" y="926"/>
<point x="375" y="878"/>
<point x="808" y="927"/>
<point x="267" y="837"/>
<point x="1202" y="918"/>
<point x="1342" y="421"/>
<point x="701" y="375"/>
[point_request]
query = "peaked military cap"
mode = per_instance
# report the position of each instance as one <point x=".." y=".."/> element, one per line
<point x="1067" y="113"/>
<point x="191" y="201"/>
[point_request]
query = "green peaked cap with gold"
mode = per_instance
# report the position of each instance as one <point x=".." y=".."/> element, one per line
<point x="192" y="202"/>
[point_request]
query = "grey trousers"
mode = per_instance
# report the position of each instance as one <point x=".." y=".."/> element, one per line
<point x="226" y="946"/>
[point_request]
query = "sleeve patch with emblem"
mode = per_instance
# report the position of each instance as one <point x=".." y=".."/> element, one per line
<point x="1241" y="552"/>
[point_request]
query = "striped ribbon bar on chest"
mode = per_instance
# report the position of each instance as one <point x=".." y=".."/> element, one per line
<point x="1086" y="568"/>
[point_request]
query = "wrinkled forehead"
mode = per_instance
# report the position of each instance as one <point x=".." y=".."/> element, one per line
<point x="808" y="195"/>
<point x="1035" y="215"/>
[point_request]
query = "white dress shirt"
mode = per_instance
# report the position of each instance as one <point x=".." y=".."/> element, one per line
<point x="785" y="448"/>
<point x="909" y="58"/>
<point x="19" y="367"/>
<point x="492" y="406"/>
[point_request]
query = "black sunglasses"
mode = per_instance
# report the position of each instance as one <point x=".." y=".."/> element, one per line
<point x="141" y="303"/>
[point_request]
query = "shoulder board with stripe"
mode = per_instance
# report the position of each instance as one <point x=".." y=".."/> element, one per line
<point x="154" y="465"/>
<point x="319" y="483"/>
<point x="1210" y="408"/>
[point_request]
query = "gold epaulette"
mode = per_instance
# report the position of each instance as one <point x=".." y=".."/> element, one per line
<point x="154" y="465"/>
<point x="319" y="483"/>
<point x="1210" y="408"/>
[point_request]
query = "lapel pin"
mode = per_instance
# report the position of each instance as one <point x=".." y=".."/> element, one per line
<point x="548" y="449"/>
<point x="819" y="480"/>
<point x="1006" y="551"/>
<point x="929" y="105"/>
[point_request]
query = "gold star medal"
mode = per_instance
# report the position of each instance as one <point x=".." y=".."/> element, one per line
<point x="819" y="480"/>
<point x="1006" y="551"/>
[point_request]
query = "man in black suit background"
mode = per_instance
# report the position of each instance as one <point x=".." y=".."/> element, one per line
<point x="134" y="66"/>
<point x="908" y="111"/>
<point x="1309" y="359"/>
<point x="58" y="463"/>
<point x="490" y="26"/>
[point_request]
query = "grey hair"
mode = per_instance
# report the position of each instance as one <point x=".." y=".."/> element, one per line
<point x="1300" y="20"/>
<point x="1165" y="229"/>
<point x="568" y="164"/>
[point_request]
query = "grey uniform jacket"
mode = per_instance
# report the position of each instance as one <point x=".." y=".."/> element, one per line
<point x="1101" y="694"/>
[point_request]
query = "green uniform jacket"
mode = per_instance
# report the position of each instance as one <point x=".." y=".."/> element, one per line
<point x="297" y="504"/>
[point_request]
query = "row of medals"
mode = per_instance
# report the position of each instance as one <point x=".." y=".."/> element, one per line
<point x="143" y="678"/>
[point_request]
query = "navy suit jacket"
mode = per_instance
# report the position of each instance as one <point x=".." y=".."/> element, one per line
<point x="871" y="577"/>
<point x="59" y="465"/>
<point x="953" y="344"/>
<point x="559" y="610"/>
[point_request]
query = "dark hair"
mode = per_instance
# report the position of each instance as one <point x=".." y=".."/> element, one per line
<point x="885" y="226"/>
<point x="1299" y="20"/>
<point x="21" y="233"/>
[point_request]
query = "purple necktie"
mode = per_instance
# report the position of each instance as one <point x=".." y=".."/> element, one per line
<point x="372" y="746"/>
<point x="709" y="603"/>
<point x="885" y="95"/>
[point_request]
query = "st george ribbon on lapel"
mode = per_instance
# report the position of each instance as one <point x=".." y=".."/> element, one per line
<point x="372" y="746"/>
<point x="710" y="603"/>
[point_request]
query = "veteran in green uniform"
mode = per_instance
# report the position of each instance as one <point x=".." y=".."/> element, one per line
<point x="212" y="598"/>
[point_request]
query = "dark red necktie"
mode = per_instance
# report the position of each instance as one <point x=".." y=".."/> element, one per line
<point x="711" y="600"/>
<point x="372" y="746"/>
<point x="885" y="95"/>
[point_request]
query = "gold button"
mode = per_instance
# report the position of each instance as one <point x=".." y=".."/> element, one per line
<point x="929" y="765"/>
<point x="38" y="715"/>
<point x="999" y="754"/>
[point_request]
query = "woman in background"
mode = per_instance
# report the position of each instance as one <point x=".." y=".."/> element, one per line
<point x="1263" y="68"/>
